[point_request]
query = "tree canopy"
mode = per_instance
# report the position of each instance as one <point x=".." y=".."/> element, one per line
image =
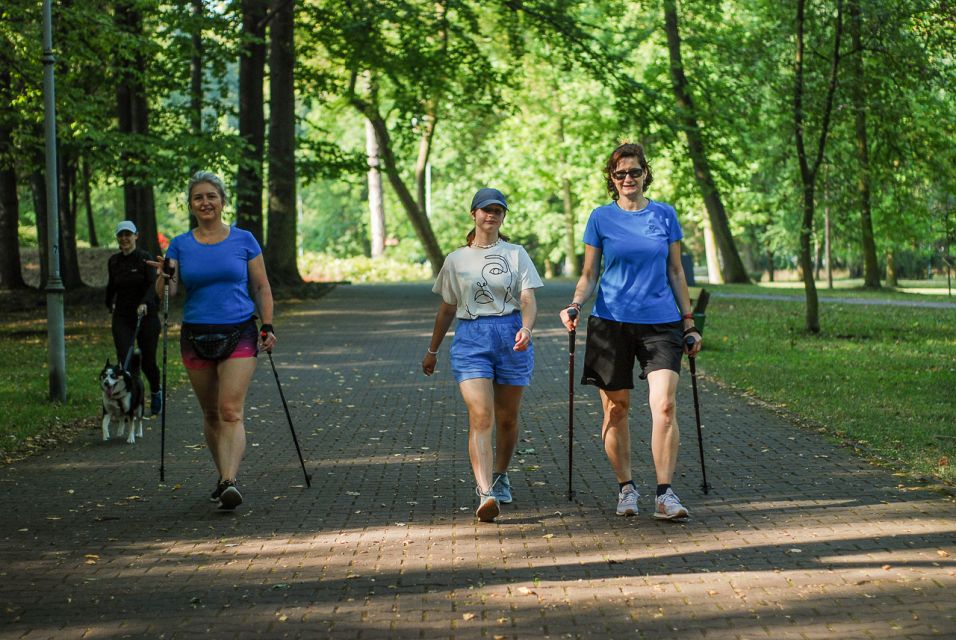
<point x="766" y="124"/>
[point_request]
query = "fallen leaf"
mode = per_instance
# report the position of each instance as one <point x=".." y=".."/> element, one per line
<point x="525" y="591"/>
<point x="887" y="567"/>
<point x="548" y="536"/>
<point x="942" y="554"/>
<point x="467" y="616"/>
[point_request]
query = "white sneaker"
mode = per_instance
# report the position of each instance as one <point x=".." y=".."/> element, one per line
<point x="627" y="501"/>
<point x="669" y="507"/>
<point x="488" y="508"/>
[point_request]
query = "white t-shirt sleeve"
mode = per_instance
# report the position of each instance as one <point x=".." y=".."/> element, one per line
<point x="528" y="275"/>
<point x="446" y="282"/>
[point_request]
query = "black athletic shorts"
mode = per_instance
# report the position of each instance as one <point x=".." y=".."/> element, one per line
<point x="612" y="347"/>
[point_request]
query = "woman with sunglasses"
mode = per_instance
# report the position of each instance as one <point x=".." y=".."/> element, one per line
<point x="489" y="286"/>
<point x="642" y="312"/>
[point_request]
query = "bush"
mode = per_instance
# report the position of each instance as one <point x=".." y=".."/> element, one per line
<point x="324" y="268"/>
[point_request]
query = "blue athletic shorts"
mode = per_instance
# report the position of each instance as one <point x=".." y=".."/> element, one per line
<point x="484" y="348"/>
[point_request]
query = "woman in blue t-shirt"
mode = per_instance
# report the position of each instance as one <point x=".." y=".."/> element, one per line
<point x="642" y="312"/>
<point x="222" y="270"/>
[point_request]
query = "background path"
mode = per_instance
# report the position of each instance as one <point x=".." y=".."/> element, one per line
<point x="796" y="540"/>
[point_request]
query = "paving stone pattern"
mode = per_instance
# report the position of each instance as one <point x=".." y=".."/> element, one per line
<point x="797" y="539"/>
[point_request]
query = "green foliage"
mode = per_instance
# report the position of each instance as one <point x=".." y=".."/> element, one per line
<point x="325" y="268"/>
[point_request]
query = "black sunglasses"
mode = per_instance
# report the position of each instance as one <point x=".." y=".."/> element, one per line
<point x="634" y="173"/>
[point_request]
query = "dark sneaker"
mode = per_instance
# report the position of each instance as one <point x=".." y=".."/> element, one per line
<point x="501" y="488"/>
<point x="230" y="498"/>
<point x="156" y="402"/>
<point x="488" y="508"/>
<point x="214" y="496"/>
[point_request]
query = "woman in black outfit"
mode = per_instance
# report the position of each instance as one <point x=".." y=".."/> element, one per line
<point x="130" y="294"/>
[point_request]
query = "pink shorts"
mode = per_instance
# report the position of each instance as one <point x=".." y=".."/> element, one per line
<point x="248" y="347"/>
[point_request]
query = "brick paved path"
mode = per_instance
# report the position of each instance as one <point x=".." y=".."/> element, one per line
<point x="797" y="539"/>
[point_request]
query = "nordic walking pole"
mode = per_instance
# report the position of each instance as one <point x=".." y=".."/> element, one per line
<point x="700" y="438"/>
<point x="308" y="478"/>
<point x="572" y="314"/>
<point x="167" y="269"/>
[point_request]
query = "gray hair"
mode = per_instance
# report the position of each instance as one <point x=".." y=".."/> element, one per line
<point x="206" y="176"/>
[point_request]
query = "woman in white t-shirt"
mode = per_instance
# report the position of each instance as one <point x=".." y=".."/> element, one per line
<point x="489" y="286"/>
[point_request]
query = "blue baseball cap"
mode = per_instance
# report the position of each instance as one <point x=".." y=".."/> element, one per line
<point x="126" y="225"/>
<point x="487" y="196"/>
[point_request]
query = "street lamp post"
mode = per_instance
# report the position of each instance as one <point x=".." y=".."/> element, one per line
<point x="56" y="356"/>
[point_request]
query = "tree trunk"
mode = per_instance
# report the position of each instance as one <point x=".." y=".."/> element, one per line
<point x="770" y="266"/>
<point x="11" y="273"/>
<point x="196" y="85"/>
<point x="891" y="280"/>
<point x="808" y="168"/>
<point x="38" y="189"/>
<point x="416" y="215"/>
<point x="376" y="199"/>
<point x="69" y="260"/>
<point x="871" y="269"/>
<point x="133" y="112"/>
<point x="714" y="272"/>
<point x="732" y="267"/>
<point x="252" y="123"/>
<point x="281" y="244"/>
<point x="430" y="120"/>
<point x="88" y="202"/>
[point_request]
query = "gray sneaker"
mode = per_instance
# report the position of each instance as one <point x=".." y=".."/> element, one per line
<point x="488" y="508"/>
<point x="669" y="507"/>
<point x="627" y="501"/>
<point x="501" y="488"/>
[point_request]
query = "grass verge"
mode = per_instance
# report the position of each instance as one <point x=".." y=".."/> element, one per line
<point x="879" y="378"/>
<point x="28" y="420"/>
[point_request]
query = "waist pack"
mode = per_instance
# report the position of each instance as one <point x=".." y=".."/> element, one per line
<point x="215" y="341"/>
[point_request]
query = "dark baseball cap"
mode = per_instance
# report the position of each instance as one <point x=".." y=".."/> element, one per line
<point x="487" y="196"/>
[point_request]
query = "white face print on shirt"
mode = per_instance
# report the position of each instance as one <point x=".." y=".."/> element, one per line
<point x="497" y="275"/>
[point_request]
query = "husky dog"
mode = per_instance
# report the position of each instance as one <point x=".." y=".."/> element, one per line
<point x="123" y="399"/>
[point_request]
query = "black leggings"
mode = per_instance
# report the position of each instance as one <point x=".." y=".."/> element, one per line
<point x="123" y="329"/>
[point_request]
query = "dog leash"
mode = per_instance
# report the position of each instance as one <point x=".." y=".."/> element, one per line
<point x="129" y="354"/>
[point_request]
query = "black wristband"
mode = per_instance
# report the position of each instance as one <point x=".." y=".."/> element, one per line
<point x="266" y="328"/>
<point x="691" y="330"/>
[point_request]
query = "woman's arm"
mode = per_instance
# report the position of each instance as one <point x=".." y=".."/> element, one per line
<point x="678" y="283"/>
<point x="529" y="313"/>
<point x="261" y="292"/>
<point x="586" y="284"/>
<point x="443" y="320"/>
